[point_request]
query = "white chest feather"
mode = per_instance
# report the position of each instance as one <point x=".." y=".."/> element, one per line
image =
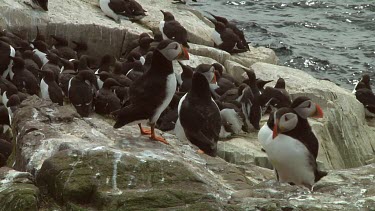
<point x="108" y="11"/>
<point x="44" y="90"/>
<point x="291" y="160"/>
<point x="5" y="98"/>
<point x="42" y="56"/>
<point x="161" y="26"/>
<point x="265" y="135"/>
<point x="12" y="53"/>
<point x="171" y="85"/>
<point x="69" y="85"/>
<point x="216" y="38"/>
<point x="100" y="83"/>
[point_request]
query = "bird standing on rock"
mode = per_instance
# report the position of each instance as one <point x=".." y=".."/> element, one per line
<point x="151" y="93"/>
<point x="291" y="144"/>
<point x="49" y="89"/>
<point x="172" y="29"/>
<point x="81" y="93"/>
<point x="199" y="116"/>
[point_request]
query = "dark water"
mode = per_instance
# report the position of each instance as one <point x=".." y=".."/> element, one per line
<point x="332" y="40"/>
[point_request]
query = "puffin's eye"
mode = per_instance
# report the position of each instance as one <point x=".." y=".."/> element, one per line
<point x="286" y="118"/>
<point x="176" y="47"/>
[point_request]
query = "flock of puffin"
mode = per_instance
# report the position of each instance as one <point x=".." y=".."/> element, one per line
<point x="202" y="104"/>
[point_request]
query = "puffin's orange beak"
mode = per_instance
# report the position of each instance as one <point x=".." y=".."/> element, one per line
<point x="275" y="129"/>
<point x="318" y="113"/>
<point x="184" y="54"/>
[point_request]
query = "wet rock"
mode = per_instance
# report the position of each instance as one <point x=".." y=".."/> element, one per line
<point x="198" y="31"/>
<point x="17" y="191"/>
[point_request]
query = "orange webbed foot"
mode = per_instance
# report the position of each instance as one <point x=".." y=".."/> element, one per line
<point x="159" y="138"/>
<point x="144" y="131"/>
<point x="200" y="151"/>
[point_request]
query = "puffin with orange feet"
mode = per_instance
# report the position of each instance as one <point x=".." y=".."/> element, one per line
<point x="150" y="94"/>
<point x="291" y="145"/>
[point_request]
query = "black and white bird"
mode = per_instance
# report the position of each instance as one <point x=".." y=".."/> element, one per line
<point x="225" y="39"/>
<point x="172" y="29"/>
<point x="366" y="97"/>
<point x="106" y="101"/>
<point x="23" y="79"/>
<point x="234" y="28"/>
<point x="6" y="63"/>
<point x="199" y="116"/>
<point x="366" y="83"/>
<point x="292" y="147"/>
<point x="150" y="94"/>
<point x="49" y="89"/>
<point x="81" y="90"/>
<point x="112" y="8"/>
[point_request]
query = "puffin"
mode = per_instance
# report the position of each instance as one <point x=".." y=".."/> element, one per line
<point x="366" y="97"/>
<point x="304" y="107"/>
<point x="49" y="89"/>
<point x="106" y="101"/>
<point x="81" y="91"/>
<point x="199" y="117"/>
<point x="150" y="94"/>
<point x="292" y="148"/>
<point x="6" y="52"/>
<point x="172" y="29"/>
<point x="247" y="100"/>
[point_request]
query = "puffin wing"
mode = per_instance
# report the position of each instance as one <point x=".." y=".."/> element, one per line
<point x="143" y="92"/>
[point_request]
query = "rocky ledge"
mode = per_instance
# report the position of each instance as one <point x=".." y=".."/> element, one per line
<point x="63" y="162"/>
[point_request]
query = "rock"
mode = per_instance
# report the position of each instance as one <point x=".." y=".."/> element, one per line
<point x="95" y="166"/>
<point x="70" y="19"/>
<point x="349" y="189"/>
<point x="17" y="191"/>
<point x="346" y="140"/>
<point x="198" y="31"/>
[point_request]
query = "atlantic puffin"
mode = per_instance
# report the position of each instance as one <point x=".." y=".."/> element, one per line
<point x="292" y="148"/>
<point x="199" y="116"/>
<point x="151" y="93"/>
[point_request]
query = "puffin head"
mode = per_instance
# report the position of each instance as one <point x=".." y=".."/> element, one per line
<point x="284" y="120"/>
<point x="172" y="50"/>
<point x="305" y="107"/>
